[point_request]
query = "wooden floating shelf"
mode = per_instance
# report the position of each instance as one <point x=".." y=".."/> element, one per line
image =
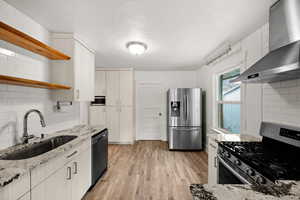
<point x="25" y="41"/>
<point x="31" y="83"/>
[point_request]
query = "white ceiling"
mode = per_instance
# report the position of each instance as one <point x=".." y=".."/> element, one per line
<point x="179" y="33"/>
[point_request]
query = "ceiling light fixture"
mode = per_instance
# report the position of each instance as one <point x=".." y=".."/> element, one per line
<point x="136" y="48"/>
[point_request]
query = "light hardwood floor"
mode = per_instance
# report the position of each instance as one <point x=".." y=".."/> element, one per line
<point x="148" y="170"/>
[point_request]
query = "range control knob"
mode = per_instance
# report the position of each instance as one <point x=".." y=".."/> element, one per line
<point x="237" y="162"/>
<point x="250" y="172"/>
<point x="222" y="150"/>
<point x="227" y="154"/>
<point x="261" y="180"/>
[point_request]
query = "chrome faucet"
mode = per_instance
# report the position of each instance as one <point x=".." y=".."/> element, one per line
<point x="25" y="136"/>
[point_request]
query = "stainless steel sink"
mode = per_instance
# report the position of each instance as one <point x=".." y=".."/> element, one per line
<point x="38" y="148"/>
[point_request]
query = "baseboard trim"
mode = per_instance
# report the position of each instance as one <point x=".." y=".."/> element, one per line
<point x="122" y="143"/>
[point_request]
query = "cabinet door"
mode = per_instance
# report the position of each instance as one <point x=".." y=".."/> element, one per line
<point x="25" y="197"/>
<point x="56" y="187"/>
<point x="126" y="124"/>
<point x="83" y="63"/>
<point x="113" y="88"/>
<point x="252" y="106"/>
<point x="92" y="64"/>
<point x="126" y="88"/>
<point x="112" y="123"/>
<point x="100" y="83"/>
<point x="81" y="170"/>
<point x="212" y="163"/>
<point x="97" y="115"/>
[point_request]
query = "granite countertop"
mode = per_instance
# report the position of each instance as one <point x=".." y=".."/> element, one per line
<point x="281" y="190"/>
<point x="222" y="137"/>
<point x="11" y="170"/>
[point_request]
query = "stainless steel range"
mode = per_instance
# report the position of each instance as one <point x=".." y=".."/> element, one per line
<point x="275" y="158"/>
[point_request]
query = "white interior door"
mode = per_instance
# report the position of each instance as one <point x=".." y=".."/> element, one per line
<point x="150" y="116"/>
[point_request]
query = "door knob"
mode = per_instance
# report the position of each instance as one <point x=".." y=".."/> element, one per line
<point x="159" y="114"/>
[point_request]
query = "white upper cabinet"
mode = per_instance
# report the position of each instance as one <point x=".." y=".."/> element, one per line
<point x="126" y="88"/>
<point x="119" y="86"/>
<point x="78" y="72"/>
<point x="100" y="83"/>
<point x="252" y="106"/>
<point x="113" y="88"/>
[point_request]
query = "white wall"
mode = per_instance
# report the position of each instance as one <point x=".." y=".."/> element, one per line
<point x="205" y="79"/>
<point x="277" y="102"/>
<point x="16" y="100"/>
<point x="167" y="79"/>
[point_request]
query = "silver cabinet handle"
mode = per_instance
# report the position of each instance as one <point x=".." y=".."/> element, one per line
<point x="72" y="154"/>
<point x="77" y="94"/>
<point x="213" y="146"/>
<point x="69" y="173"/>
<point x="75" y="168"/>
<point x="215" y="162"/>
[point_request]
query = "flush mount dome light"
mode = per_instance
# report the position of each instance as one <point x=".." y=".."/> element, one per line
<point x="136" y="48"/>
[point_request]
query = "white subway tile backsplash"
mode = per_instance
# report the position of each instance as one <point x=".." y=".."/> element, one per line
<point x="281" y="102"/>
<point x="15" y="101"/>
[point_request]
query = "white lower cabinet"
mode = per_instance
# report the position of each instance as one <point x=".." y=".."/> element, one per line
<point x="71" y="181"/>
<point x="126" y="124"/>
<point x="25" y="197"/>
<point x="120" y="124"/>
<point x="55" y="187"/>
<point x="81" y="176"/>
<point x="18" y="189"/>
<point x="112" y="123"/>
<point x="212" y="162"/>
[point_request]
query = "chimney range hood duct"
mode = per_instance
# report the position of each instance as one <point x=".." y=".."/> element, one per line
<point x="282" y="63"/>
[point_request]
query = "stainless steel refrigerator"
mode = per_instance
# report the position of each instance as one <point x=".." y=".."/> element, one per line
<point x="184" y="119"/>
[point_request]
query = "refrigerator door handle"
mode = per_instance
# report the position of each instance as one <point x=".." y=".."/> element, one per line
<point x="185" y="104"/>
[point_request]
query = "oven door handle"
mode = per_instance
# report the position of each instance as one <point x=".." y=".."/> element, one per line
<point x="234" y="172"/>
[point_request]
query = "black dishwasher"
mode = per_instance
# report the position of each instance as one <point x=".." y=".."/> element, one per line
<point x="99" y="155"/>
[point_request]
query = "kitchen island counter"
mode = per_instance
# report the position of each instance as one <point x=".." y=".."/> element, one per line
<point x="283" y="190"/>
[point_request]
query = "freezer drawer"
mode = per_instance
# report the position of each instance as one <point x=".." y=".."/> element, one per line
<point x="185" y="138"/>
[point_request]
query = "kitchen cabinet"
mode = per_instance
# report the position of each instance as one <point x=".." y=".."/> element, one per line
<point x="126" y="124"/>
<point x="25" y="197"/>
<point x="212" y="162"/>
<point x="113" y="88"/>
<point x="97" y="115"/>
<point x="70" y="181"/>
<point x="119" y="88"/>
<point x="126" y="88"/>
<point x="252" y="106"/>
<point x="78" y="72"/>
<point x="18" y="189"/>
<point x="55" y="187"/>
<point x="81" y="180"/>
<point x="120" y="124"/>
<point x="113" y="123"/>
<point x="119" y="110"/>
<point x="100" y="83"/>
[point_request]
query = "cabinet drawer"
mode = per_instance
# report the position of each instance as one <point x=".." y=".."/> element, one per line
<point x="16" y="189"/>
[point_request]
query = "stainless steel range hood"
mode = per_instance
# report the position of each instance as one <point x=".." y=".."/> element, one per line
<point x="282" y="63"/>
